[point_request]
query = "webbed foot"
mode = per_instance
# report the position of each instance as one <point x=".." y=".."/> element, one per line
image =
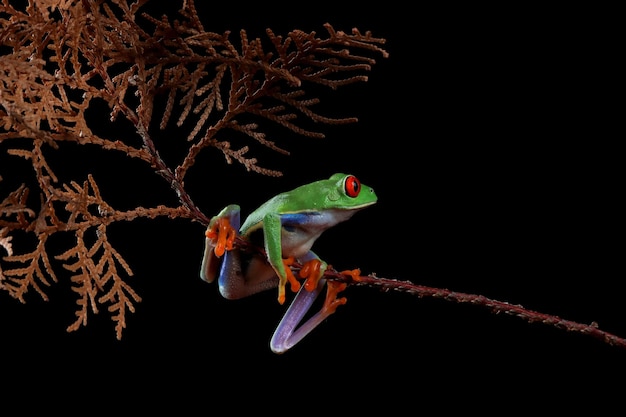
<point x="332" y="302"/>
<point x="222" y="234"/>
<point x="334" y="288"/>
<point x="295" y="284"/>
<point x="312" y="271"/>
<point x="219" y="238"/>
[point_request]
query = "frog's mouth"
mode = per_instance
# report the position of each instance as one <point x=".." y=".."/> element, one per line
<point x="363" y="205"/>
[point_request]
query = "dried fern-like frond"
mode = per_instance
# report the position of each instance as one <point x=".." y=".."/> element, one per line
<point x="99" y="270"/>
<point x="15" y="215"/>
<point x="17" y="281"/>
<point x="15" y="204"/>
<point x="97" y="279"/>
<point x="5" y="241"/>
<point x="100" y="51"/>
<point x="271" y="85"/>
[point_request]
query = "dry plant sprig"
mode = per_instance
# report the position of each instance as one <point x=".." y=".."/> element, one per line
<point x="422" y="291"/>
<point x="61" y="59"/>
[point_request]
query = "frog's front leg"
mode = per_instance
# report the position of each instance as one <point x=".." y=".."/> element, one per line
<point x="236" y="278"/>
<point x="272" y="240"/>
<point x="219" y="237"/>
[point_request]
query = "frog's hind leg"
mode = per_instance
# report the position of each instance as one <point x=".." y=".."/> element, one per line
<point x="238" y="274"/>
<point x="243" y="274"/>
<point x="288" y="334"/>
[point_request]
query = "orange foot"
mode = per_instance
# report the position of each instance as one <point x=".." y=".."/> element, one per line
<point x="312" y="271"/>
<point x="295" y="284"/>
<point x="332" y="302"/>
<point x="354" y="274"/>
<point x="223" y="234"/>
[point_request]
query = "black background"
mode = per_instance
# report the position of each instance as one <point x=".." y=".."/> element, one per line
<point x="483" y="136"/>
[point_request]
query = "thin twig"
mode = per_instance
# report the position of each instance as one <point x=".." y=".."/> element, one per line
<point x="495" y="306"/>
<point x="161" y="167"/>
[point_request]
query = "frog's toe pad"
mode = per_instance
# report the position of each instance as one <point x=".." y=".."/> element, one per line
<point x="222" y="234"/>
<point x="332" y="302"/>
<point x="312" y="271"/>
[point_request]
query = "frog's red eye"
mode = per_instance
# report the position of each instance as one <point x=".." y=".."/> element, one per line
<point x="353" y="186"/>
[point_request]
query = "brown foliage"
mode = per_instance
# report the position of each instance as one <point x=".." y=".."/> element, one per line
<point x="58" y="58"/>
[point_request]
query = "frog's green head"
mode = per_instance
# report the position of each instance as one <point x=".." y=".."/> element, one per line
<point x="345" y="191"/>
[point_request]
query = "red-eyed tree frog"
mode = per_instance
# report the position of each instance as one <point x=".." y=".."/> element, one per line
<point x="286" y="226"/>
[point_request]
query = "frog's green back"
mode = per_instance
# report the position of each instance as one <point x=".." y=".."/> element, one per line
<point x="340" y="191"/>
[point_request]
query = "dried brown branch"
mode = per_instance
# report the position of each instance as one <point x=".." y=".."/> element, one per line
<point x="422" y="291"/>
<point x="62" y="59"/>
<point x="495" y="306"/>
